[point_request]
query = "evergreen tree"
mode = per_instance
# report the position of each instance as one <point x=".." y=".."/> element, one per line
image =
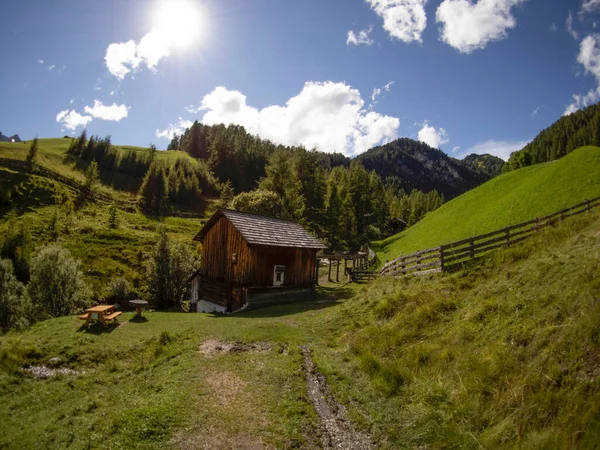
<point x="112" y="215"/>
<point x="227" y="194"/>
<point x="282" y="179"/>
<point x="168" y="270"/>
<point x="92" y="176"/>
<point x="32" y="154"/>
<point x="153" y="194"/>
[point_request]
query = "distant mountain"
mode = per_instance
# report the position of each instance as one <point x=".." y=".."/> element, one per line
<point x="562" y="137"/>
<point x="13" y="138"/>
<point x="411" y="164"/>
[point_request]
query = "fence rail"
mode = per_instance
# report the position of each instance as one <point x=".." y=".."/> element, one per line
<point x="447" y="255"/>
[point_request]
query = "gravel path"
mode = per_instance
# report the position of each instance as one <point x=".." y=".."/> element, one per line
<point x="339" y="432"/>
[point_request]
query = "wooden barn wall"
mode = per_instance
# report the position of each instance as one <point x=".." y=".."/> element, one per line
<point x="300" y="265"/>
<point x="220" y="243"/>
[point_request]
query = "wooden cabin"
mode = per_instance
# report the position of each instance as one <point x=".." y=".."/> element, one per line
<point x="248" y="258"/>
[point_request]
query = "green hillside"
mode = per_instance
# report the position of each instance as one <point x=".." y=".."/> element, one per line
<point x="52" y="211"/>
<point x="505" y="200"/>
<point x="500" y="356"/>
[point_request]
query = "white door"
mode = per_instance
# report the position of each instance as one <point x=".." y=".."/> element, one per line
<point x="278" y="274"/>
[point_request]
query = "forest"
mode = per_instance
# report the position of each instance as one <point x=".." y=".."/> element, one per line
<point x="565" y="135"/>
<point x="334" y="197"/>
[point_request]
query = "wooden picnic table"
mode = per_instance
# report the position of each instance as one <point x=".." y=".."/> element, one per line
<point x="100" y="313"/>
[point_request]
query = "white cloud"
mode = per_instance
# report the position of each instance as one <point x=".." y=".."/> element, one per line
<point x="589" y="58"/>
<point x="113" y="112"/>
<point x="362" y="37"/>
<point x="455" y="149"/>
<point x="535" y="111"/>
<point x="72" y="119"/>
<point x="432" y="136"/>
<point x="173" y="129"/>
<point x="402" y="19"/>
<point x="469" y="26"/>
<point x="41" y="61"/>
<point x="124" y="57"/>
<point x="553" y="27"/>
<point x="378" y="91"/>
<point x="51" y="67"/>
<point x="501" y="149"/>
<point x="153" y="47"/>
<point x="569" y="25"/>
<point x="590" y="5"/>
<point x="329" y="116"/>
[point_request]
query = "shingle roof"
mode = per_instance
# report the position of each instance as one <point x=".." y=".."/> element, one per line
<point x="261" y="230"/>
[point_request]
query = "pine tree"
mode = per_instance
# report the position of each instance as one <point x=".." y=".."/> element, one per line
<point x="227" y="194"/>
<point x="32" y="155"/>
<point x="92" y="176"/>
<point x="112" y="215"/>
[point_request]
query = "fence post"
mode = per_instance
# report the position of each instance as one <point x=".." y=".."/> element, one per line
<point x="587" y="204"/>
<point x="403" y="265"/>
<point x="537" y="224"/>
<point x="442" y="258"/>
<point x="562" y="215"/>
<point x="472" y="247"/>
<point x="507" y="231"/>
<point x="419" y="262"/>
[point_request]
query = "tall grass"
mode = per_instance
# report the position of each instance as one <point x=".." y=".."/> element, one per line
<point x="502" y="354"/>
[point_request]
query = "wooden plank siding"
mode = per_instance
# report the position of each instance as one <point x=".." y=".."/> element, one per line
<point x="221" y="242"/>
<point x="300" y="265"/>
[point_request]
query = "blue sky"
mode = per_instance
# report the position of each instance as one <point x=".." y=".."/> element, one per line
<point x="340" y="75"/>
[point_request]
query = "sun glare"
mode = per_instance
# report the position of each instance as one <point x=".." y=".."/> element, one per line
<point x="181" y="21"/>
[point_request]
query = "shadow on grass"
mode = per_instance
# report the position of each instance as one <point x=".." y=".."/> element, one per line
<point x="325" y="297"/>
<point x="138" y="319"/>
<point x="97" y="328"/>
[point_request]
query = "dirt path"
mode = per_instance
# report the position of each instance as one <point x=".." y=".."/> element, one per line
<point x="339" y="432"/>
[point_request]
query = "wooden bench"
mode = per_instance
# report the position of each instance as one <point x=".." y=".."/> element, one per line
<point x="84" y="316"/>
<point x="113" y="316"/>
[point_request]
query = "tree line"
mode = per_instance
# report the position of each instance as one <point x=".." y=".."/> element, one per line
<point x="164" y="187"/>
<point x="565" y="135"/>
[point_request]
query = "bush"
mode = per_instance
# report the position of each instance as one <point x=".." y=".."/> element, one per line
<point x="15" y="306"/>
<point x="18" y="247"/>
<point x="57" y="287"/>
<point x="118" y="290"/>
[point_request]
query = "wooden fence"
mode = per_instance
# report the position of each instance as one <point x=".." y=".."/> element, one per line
<point x="444" y="256"/>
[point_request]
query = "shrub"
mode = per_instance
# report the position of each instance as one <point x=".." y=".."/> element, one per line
<point x="57" y="287"/>
<point x="15" y="306"/>
<point x="118" y="290"/>
<point x="18" y="247"/>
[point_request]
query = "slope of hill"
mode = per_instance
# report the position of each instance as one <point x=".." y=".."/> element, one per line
<point x="562" y="137"/>
<point x="52" y="211"/>
<point x="508" y="199"/>
<point x="421" y="167"/>
<point x="504" y="355"/>
<point x="501" y="355"/>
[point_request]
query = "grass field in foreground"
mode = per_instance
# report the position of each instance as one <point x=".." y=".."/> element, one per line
<point x="511" y="198"/>
<point x="502" y="354"/>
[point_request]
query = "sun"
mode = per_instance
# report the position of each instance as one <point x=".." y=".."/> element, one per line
<point x="182" y="22"/>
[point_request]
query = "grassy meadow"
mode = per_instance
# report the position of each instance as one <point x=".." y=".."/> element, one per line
<point x="508" y="199"/>
<point x="502" y="354"/>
